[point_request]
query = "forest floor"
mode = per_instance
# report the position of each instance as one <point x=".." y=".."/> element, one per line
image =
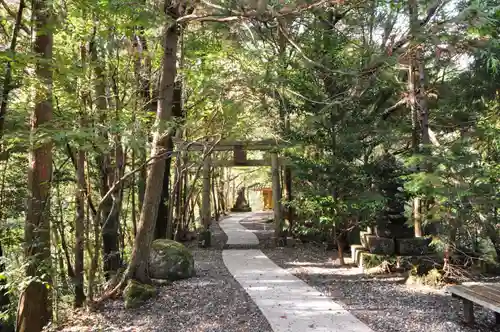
<point x="213" y="301"/>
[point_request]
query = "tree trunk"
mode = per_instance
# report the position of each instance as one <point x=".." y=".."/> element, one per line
<point x="138" y="268"/>
<point x="289" y="197"/>
<point x="412" y="82"/>
<point x="426" y="142"/>
<point x="132" y="189"/>
<point x="111" y="257"/>
<point x="79" y="229"/>
<point x="7" y="81"/>
<point x="220" y="191"/>
<point x="163" y="209"/>
<point x="34" y="310"/>
<point x="185" y="187"/>
<point x="206" y="214"/>
<point x="278" y="216"/>
<point x="5" y="325"/>
<point x="214" y="198"/>
<point x="174" y="213"/>
<point x="340" y="248"/>
<point x="149" y="100"/>
<point x="163" y="229"/>
<point x="111" y="228"/>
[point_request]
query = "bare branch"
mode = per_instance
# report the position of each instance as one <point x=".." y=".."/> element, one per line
<point x="438" y="4"/>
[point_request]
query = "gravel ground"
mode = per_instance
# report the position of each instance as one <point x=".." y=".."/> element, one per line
<point x="385" y="304"/>
<point x="214" y="302"/>
<point x="210" y="302"/>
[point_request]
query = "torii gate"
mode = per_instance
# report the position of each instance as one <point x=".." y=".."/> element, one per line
<point x="239" y="149"/>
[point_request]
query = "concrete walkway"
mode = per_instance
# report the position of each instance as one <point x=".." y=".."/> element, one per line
<point x="237" y="234"/>
<point x="288" y="303"/>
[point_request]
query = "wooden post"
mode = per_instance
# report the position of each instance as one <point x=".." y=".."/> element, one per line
<point x="205" y="238"/>
<point x="278" y="216"/>
<point x="468" y="311"/>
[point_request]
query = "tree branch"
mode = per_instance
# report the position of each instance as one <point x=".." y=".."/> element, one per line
<point x="14" y="14"/>
<point x="235" y="15"/>
<point x="394" y="107"/>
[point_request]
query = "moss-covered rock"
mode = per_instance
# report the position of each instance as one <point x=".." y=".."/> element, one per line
<point x="170" y="260"/>
<point x="136" y="293"/>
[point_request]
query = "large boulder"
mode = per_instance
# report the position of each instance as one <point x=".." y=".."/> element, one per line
<point x="170" y="260"/>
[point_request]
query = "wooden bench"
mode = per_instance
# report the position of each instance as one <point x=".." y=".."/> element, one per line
<point x="485" y="295"/>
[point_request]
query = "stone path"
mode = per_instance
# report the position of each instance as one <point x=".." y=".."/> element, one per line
<point x="288" y="303"/>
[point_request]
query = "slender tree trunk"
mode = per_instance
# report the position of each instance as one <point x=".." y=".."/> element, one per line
<point x="206" y="214"/>
<point x="79" y="229"/>
<point x="412" y="81"/>
<point x="143" y="74"/>
<point x="214" y="197"/>
<point x="111" y="228"/>
<point x="426" y="141"/>
<point x="220" y="191"/>
<point x="60" y="237"/>
<point x="173" y="219"/>
<point x="278" y="216"/>
<point x="167" y="214"/>
<point x="162" y="221"/>
<point x="94" y="261"/>
<point x="340" y="248"/>
<point x="163" y="227"/>
<point x="111" y="257"/>
<point x="5" y="324"/>
<point x="7" y="81"/>
<point x="132" y="188"/>
<point x="185" y="187"/>
<point x="80" y="193"/>
<point x="288" y="182"/>
<point x="138" y="268"/>
<point x="34" y="310"/>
